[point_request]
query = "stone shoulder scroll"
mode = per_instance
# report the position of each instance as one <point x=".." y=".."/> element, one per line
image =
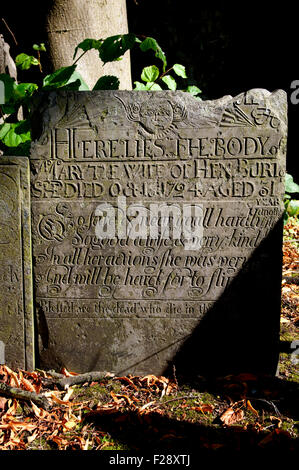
<point x="169" y="169"/>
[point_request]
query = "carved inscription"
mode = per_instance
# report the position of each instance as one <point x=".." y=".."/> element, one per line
<point x="137" y="152"/>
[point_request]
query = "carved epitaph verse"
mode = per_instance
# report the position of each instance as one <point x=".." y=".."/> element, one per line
<point x="137" y="302"/>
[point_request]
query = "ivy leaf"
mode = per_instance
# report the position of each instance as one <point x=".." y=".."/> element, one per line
<point x="39" y="47"/>
<point x="140" y="86"/>
<point x="180" y="70"/>
<point x="87" y="45"/>
<point x="115" y="46"/>
<point x="293" y="208"/>
<point x="9" y="108"/>
<point x="153" y="86"/>
<point x="151" y="43"/>
<point x="13" y="134"/>
<point x="194" y="90"/>
<point x="107" y="82"/>
<point x="24" y="61"/>
<point x="23" y="149"/>
<point x="150" y="73"/>
<point x="290" y="185"/>
<point x="170" y="82"/>
<point x="24" y="90"/>
<point x="71" y="86"/>
<point x="8" y="86"/>
<point x="76" y="82"/>
<point x="4" y="128"/>
<point x="59" y="78"/>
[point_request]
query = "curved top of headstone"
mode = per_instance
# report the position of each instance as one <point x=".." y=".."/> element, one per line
<point x="154" y="114"/>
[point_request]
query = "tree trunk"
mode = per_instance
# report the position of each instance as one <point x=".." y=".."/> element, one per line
<point x="71" y="21"/>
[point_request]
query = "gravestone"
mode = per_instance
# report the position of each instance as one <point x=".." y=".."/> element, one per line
<point x="2" y="352"/>
<point x="16" y="296"/>
<point x="157" y="230"/>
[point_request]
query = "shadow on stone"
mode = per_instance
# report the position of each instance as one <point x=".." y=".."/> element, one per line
<point x="240" y="333"/>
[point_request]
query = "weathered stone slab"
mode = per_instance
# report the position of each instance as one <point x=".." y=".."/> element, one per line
<point x="16" y="297"/>
<point x="142" y="299"/>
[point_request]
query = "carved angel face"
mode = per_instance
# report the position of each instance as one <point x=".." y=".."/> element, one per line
<point x="156" y="116"/>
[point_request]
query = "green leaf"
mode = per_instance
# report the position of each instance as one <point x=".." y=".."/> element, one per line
<point x="285" y="217"/>
<point x="39" y="47"/>
<point x="75" y="83"/>
<point x="71" y="86"/>
<point x="128" y="41"/>
<point x="76" y="78"/>
<point x="107" y="82"/>
<point x="193" y="90"/>
<point x="15" y="94"/>
<point x="87" y="45"/>
<point x="153" y="86"/>
<point x="59" y="78"/>
<point x="13" y="134"/>
<point x="24" y="61"/>
<point x="23" y="149"/>
<point x="9" y="109"/>
<point x="8" y="86"/>
<point x="293" y="208"/>
<point x="180" y="70"/>
<point x="151" y="43"/>
<point x="24" y="90"/>
<point x="290" y="185"/>
<point x="115" y="46"/>
<point x="170" y="82"/>
<point x="4" y="128"/>
<point x="150" y="73"/>
<point x="140" y="86"/>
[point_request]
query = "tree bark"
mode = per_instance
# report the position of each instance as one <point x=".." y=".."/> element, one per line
<point x="71" y="21"/>
<point x="7" y="64"/>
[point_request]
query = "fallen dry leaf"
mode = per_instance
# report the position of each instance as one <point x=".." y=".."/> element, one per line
<point x="70" y="424"/>
<point x="231" y="416"/>
<point x="128" y="380"/>
<point x="68" y="394"/>
<point x="276" y="420"/>
<point x="18" y="425"/>
<point x="13" y="405"/>
<point x="3" y="402"/>
<point x="32" y="438"/>
<point x="125" y="397"/>
<point x="250" y="407"/>
<point x="28" y="385"/>
<point x="203" y="408"/>
<point x="115" y="398"/>
<point x="68" y="373"/>
<point x="142" y="409"/>
<point x="13" y="377"/>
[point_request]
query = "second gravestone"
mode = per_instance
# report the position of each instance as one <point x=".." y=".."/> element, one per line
<point x="157" y="230"/>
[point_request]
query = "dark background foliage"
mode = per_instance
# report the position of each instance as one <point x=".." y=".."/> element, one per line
<point x="227" y="47"/>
